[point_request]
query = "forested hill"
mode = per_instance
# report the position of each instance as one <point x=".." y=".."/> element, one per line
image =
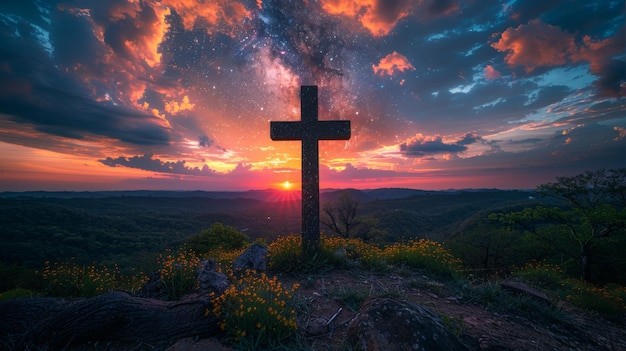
<point x="107" y="227"/>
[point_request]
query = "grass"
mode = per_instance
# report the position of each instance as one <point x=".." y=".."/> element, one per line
<point x="607" y="301"/>
<point x="490" y="295"/>
<point x="353" y="297"/>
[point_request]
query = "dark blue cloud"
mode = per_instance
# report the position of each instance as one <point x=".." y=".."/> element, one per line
<point x="148" y="163"/>
<point x="421" y="148"/>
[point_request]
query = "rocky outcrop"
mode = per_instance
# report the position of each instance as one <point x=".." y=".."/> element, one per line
<point x="210" y="280"/>
<point x="394" y="325"/>
<point x="254" y="258"/>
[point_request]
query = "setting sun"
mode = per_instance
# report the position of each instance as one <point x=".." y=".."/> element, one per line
<point x="286" y="185"/>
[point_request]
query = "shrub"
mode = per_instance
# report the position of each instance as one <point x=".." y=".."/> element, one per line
<point x="178" y="272"/>
<point x="285" y="253"/>
<point x="423" y="254"/>
<point x="540" y="274"/>
<point x="356" y="250"/>
<point x="218" y="237"/>
<point x="256" y="311"/>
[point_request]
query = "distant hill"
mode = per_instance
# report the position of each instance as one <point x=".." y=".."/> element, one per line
<point x="107" y="226"/>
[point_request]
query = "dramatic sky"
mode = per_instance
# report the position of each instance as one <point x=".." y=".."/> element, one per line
<point x="178" y="94"/>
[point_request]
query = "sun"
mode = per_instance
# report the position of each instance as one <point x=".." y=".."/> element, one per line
<point x="286" y="185"/>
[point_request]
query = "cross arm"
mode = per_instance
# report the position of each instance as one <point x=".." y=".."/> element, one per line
<point x="319" y="130"/>
<point x="332" y="130"/>
<point x="286" y="130"/>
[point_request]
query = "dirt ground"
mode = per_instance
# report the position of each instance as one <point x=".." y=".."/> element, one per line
<point x="478" y="327"/>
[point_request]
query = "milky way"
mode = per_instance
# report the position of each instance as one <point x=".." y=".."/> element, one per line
<point x="179" y="93"/>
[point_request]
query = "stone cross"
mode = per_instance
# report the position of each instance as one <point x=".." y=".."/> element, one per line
<point x="310" y="131"/>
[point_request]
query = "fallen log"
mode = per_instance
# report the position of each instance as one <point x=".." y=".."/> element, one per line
<point x="521" y="288"/>
<point x="55" y="324"/>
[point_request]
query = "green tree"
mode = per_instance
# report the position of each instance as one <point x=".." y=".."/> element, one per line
<point x="218" y="237"/>
<point x="486" y="247"/>
<point x="594" y="208"/>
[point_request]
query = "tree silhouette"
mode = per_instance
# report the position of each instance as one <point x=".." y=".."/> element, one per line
<point x="341" y="216"/>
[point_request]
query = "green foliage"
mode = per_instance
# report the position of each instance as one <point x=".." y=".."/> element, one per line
<point x="257" y="311"/>
<point x="593" y="209"/>
<point x="218" y="237"/>
<point x="178" y="272"/>
<point x="486" y="247"/>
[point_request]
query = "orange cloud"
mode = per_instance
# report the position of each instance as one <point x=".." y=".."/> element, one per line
<point x="392" y="64"/>
<point x="490" y="72"/>
<point x="542" y="45"/>
<point x="379" y="17"/>
<point x="536" y="44"/>
<point x="174" y="107"/>
<point x="215" y="13"/>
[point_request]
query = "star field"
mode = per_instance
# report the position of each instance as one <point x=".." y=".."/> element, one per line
<point x="178" y="94"/>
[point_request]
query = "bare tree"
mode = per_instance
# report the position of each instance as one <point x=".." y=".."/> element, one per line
<point x="341" y="216"/>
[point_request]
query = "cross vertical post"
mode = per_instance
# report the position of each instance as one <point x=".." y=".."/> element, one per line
<point x="310" y="130"/>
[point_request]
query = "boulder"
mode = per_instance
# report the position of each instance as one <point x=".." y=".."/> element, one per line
<point x="254" y="258"/>
<point x="392" y="324"/>
<point x="210" y="280"/>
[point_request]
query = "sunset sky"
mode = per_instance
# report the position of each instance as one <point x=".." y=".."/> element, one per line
<point x="179" y="94"/>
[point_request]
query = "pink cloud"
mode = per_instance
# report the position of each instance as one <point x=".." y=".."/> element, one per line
<point x="392" y="64"/>
<point x="537" y="44"/>
<point x="491" y="73"/>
